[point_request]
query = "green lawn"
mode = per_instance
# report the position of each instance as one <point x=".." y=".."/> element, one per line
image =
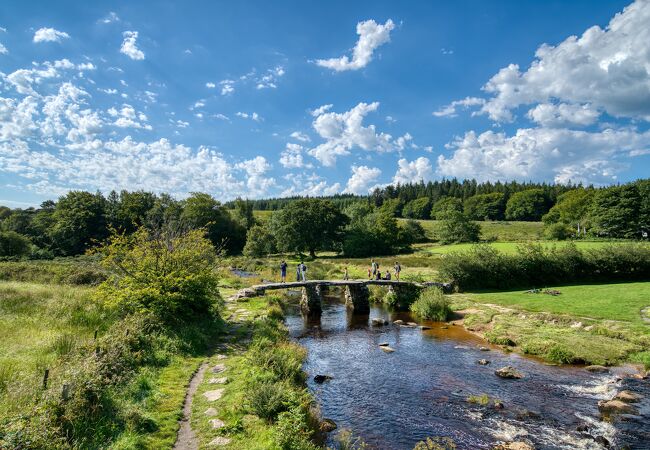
<point x="500" y="231"/>
<point x="508" y="247"/>
<point x="619" y="301"/>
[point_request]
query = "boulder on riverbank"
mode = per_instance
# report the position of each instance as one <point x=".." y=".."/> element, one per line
<point x="327" y="425"/>
<point x="483" y="362"/>
<point x="322" y="378"/>
<point x="597" y="369"/>
<point x="379" y="322"/>
<point x="514" y="446"/>
<point x="398" y="322"/>
<point x="508" y="372"/>
<point x="627" y="397"/>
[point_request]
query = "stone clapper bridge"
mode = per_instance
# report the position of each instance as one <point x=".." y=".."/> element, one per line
<point x="357" y="294"/>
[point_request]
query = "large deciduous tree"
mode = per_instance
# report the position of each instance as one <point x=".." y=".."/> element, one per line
<point x="203" y="211"/>
<point x="529" y="205"/>
<point x="485" y="206"/>
<point x="78" y="222"/>
<point x="309" y="225"/>
<point x="615" y="211"/>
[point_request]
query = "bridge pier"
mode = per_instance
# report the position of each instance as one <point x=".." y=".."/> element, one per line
<point x="357" y="298"/>
<point x="310" y="302"/>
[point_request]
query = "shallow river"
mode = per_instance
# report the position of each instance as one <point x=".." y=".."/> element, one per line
<point x="394" y="400"/>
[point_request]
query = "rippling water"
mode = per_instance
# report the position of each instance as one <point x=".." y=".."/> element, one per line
<point x="394" y="400"/>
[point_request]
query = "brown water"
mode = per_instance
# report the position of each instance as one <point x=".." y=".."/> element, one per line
<point x="394" y="400"/>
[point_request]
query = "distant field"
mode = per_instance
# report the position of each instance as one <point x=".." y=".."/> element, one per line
<point x="508" y="247"/>
<point x="616" y="301"/>
<point x="500" y="231"/>
<point x="262" y="215"/>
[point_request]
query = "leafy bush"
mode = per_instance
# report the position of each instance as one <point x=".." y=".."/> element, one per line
<point x="456" y="228"/>
<point x="259" y="242"/>
<point x="535" y="265"/>
<point x="558" y="231"/>
<point x="432" y="304"/>
<point x="420" y="208"/>
<point x="446" y="205"/>
<point x="167" y="273"/>
<point x="414" y="230"/>
<point x="293" y="430"/>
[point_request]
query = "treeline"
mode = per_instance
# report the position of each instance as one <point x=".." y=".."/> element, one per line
<point x="81" y="220"/>
<point x="274" y="204"/>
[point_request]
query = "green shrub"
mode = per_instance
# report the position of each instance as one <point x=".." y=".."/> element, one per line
<point x="558" y="231"/>
<point x="293" y="430"/>
<point x="267" y="399"/>
<point x="482" y="399"/>
<point x="14" y="244"/>
<point x="560" y="354"/>
<point x="166" y="273"/>
<point x="456" y="228"/>
<point x="432" y="304"/>
<point x="535" y="265"/>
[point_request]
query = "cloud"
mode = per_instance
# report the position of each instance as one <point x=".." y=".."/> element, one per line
<point x="50" y="35"/>
<point x="257" y="183"/>
<point x="311" y="185"/>
<point x="269" y="80"/>
<point x="252" y="116"/>
<point x="3" y="49"/>
<point x="542" y="154"/>
<point x="343" y="132"/>
<point x="127" y="117"/>
<point x="227" y="87"/>
<point x="371" y="36"/>
<point x="551" y="115"/>
<point x="291" y="156"/>
<point x="606" y="68"/>
<point x="320" y="110"/>
<point x="414" y="171"/>
<point x="450" y="109"/>
<point x="111" y="17"/>
<point x="363" y="177"/>
<point x="129" y="46"/>
<point x="299" y="136"/>
<point x="210" y="85"/>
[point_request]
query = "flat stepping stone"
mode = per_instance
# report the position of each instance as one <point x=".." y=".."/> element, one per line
<point x="221" y="356"/>
<point x="222" y="380"/>
<point x="213" y="395"/>
<point x="217" y="423"/>
<point x="218" y="368"/>
<point x="220" y="441"/>
<point x="210" y="412"/>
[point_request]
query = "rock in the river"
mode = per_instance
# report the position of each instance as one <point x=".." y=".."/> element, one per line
<point x="387" y="349"/>
<point x="514" y="446"/>
<point x="398" y="322"/>
<point x="615" y="407"/>
<point x="627" y="397"/>
<point x="322" y="378"/>
<point x="484" y="349"/>
<point x="412" y="324"/>
<point x="379" y="322"/>
<point x="597" y="369"/>
<point x="508" y="372"/>
<point x="327" y="425"/>
<point x="384" y="344"/>
<point x="483" y="362"/>
<point x="602" y="440"/>
<point x="498" y="404"/>
<point x="424" y="327"/>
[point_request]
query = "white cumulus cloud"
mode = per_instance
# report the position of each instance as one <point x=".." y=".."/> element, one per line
<point x="371" y="36"/>
<point x="50" y="35"/>
<point x="413" y="171"/>
<point x="362" y="179"/>
<point x="130" y="47"/>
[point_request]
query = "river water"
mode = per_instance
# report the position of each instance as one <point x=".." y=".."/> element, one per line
<point x="393" y="400"/>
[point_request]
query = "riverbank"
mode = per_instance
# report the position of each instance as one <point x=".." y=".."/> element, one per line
<point x="581" y="324"/>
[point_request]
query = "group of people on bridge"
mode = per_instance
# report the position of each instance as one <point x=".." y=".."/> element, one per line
<point x="373" y="271"/>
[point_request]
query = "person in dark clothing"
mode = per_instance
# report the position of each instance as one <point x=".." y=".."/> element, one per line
<point x="283" y="271"/>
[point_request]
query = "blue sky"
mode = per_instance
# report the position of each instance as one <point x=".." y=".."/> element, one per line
<point x="259" y="99"/>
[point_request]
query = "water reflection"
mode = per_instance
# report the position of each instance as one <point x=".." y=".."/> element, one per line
<point x="394" y="400"/>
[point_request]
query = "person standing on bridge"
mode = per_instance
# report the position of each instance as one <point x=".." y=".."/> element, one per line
<point x="374" y="268"/>
<point x="398" y="269"/>
<point x="298" y="271"/>
<point x="283" y="271"/>
<point x="303" y="271"/>
<point x="345" y="273"/>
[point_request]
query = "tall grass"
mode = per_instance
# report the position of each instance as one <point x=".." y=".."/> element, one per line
<point x="432" y="305"/>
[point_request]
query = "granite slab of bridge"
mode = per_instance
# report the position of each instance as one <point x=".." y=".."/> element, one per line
<point x="357" y="294"/>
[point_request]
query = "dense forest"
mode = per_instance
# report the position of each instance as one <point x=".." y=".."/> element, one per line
<point x="354" y="225"/>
